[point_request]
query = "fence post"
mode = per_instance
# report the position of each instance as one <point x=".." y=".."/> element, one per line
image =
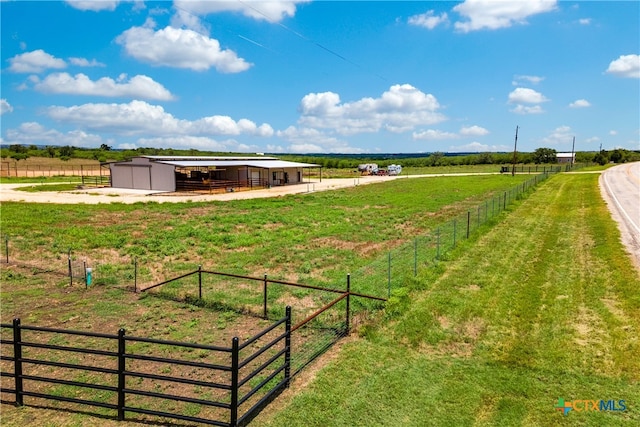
<point x="84" y="267"/>
<point x="17" y="354"/>
<point x="135" y="275"/>
<point x="438" y="244"/>
<point x="287" y="344"/>
<point x="348" y="304"/>
<point x="415" y="257"/>
<point x="121" y="376"/>
<point x="264" y="297"/>
<point x="6" y="247"/>
<point x="200" y="281"/>
<point x="70" y="270"/>
<point x="504" y="206"/>
<point x="468" y="223"/>
<point x="389" y="277"/>
<point x="233" y="419"/>
<point x="454" y="232"/>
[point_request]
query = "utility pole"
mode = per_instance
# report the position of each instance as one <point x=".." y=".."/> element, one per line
<point x="515" y="146"/>
<point x="573" y="147"/>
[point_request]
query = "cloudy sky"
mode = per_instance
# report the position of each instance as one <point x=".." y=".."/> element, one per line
<point x="322" y="76"/>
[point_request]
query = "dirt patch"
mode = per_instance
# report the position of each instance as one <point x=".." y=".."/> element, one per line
<point x="362" y="248"/>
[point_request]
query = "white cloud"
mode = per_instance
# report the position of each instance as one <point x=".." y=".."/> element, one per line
<point x="428" y="20"/>
<point x="33" y="133"/>
<point x="272" y="11"/>
<point x="308" y="140"/>
<point x="492" y="14"/>
<point x="93" y="5"/>
<point x="580" y="103"/>
<point x="530" y="79"/>
<point x="473" y="131"/>
<point x="433" y="135"/>
<point x="179" y="48"/>
<point x="137" y="87"/>
<point x="476" y="147"/>
<point x="140" y="118"/>
<point x="523" y="109"/>
<point x="197" y="142"/>
<point x="625" y="66"/>
<point x="613" y="132"/>
<point x="401" y="108"/>
<point x="592" y="139"/>
<point x="35" y="62"/>
<point x="83" y="62"/>
<point x="560" y="135"/>
<point x="585" y="21"/>
<point x="523" y="95"/>
<point x="5" y="107"/>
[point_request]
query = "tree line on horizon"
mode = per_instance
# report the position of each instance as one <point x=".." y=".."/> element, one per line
<point x="542" y="155"/>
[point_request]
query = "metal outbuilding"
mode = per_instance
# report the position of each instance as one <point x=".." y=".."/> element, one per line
<point x="566" y="157"/>
<point x="194" y="173"/>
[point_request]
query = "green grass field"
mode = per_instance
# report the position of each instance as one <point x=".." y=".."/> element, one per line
<point x="542" y="307"/>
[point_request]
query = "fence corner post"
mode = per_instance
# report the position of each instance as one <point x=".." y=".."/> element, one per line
<point x="287" y="351"/>
<point x="122" y="364"/>
<point x="235" y="353"/>
<point x="17" y="354"/>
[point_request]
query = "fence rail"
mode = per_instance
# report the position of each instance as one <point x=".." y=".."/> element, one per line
<point x="8" y="170"/>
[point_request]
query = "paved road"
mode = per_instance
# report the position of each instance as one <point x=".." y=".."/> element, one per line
<point x="621" y="188"/>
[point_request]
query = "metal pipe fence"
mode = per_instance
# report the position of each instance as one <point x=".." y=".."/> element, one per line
<point x="230" y="385"/>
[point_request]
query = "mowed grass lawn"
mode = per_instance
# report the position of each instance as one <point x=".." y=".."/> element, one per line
<point x="546" y="305"/>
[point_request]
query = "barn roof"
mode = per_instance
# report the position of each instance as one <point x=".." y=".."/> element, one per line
<point x="254" y="162"/>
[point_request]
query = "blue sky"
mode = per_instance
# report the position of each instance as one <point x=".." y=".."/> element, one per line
<point x="322" y="76"/>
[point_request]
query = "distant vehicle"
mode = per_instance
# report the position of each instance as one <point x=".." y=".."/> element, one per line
<point x="394" y="170"/>
<point x="368" y="169"/>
